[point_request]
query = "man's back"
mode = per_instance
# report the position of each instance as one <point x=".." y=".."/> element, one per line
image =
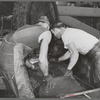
<point x="28" y="35"/>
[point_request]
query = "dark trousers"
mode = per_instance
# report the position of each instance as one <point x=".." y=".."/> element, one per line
<point x="94" y="59"/>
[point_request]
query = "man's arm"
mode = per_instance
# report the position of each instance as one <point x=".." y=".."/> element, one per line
<point x="65" y="56"/>
<point x="43" y="60"/>
<point x="74" y="55"/>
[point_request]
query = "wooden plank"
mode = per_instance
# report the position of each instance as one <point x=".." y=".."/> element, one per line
<point x="77" y="24"/>
<point x="78" y="11"/>
<point x="80" y="93"/>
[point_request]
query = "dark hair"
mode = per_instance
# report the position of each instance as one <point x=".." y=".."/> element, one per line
<point x="59" y="25"/>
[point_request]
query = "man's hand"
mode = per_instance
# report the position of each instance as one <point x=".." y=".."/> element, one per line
<point x="50" y="83"/>
<point x="68" y="73"/>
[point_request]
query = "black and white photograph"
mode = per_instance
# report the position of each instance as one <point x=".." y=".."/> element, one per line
<point x="50" y="49"/>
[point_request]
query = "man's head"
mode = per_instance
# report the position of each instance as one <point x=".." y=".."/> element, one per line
<point x="58" y="28"/>
<point x="44" y="21"/>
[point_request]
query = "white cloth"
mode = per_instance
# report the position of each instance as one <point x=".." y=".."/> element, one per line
<point x="84" y="41"/>
<point x="45" y="35"/>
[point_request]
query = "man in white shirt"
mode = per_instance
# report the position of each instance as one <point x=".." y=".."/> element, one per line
<point x="78" y="41"/>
